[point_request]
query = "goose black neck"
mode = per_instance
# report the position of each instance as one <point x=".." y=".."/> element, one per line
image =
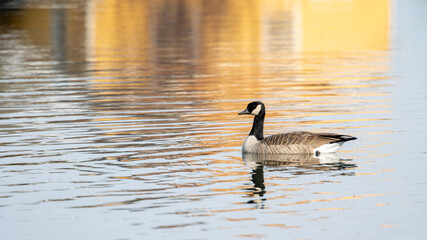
<point x="258" y="126"/>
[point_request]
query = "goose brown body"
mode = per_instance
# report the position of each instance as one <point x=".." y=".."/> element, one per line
<point x="299" y="142"/>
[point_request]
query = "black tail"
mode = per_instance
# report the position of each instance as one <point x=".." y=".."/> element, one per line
<point x="345" y="138"/>
<point x="338" y="138"/>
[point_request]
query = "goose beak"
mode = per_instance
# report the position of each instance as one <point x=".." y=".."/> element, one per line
<point x="244" y="112"/>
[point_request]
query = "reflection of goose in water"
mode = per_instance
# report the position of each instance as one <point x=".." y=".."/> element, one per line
<point x="253" y="160"/>
<point x="256" y="162"/>
<point x="287" y="143"/>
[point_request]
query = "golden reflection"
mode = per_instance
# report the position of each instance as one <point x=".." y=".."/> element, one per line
<point x="239" y="219"/>
<point x="381" y="204"/>
<point x="336" y="26"/>
<point x="119" y="31"/>
<point x="51" y="35"/>
<point x="325" y="193"/>
<point x="231" y="35"/>
<point x="364" y="174"/>
<point x="260" y="236"/>
<point x="174" y="72"/>
<point x="387" y="225"/>
<point x="279" y="225"/>
<point x="189" y="49"/>
<point x="335" y="199"/>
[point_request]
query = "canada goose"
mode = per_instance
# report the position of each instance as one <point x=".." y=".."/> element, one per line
<point x="299" y="142"/>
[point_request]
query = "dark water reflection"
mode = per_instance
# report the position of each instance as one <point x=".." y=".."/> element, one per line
<point x="118" y="119"/>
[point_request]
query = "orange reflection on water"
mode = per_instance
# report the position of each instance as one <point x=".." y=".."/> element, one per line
<point x="335" y="199"/>
<point x="229" y="40"/>
<point x="179" y="71"/>
<point x="239" y="219"/>
<point x="336" y="26"/>
<point x="279" y="225"/>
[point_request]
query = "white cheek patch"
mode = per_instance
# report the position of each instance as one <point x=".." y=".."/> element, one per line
<point x="256" y="110"/>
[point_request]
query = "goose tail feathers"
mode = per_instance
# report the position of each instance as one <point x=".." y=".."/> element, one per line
<point x="336" y="138"/>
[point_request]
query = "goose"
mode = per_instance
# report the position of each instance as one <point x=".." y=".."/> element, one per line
<point x="298" y="142"/>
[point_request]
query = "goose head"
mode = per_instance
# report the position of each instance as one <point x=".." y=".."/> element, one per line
<point x="254" y="108"/>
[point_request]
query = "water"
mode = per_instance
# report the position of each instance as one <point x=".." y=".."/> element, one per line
<point x="118" y="119"/>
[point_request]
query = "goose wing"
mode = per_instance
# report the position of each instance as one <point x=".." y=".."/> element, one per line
<point x="312" y="140"/>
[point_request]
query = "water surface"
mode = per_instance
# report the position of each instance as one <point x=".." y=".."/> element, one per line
<point x="118" y="119"/>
